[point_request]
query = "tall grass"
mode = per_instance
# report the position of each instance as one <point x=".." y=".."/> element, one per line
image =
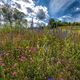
<point x="39" y="54"/>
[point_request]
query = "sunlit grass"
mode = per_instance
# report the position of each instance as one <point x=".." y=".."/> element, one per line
<point x="39" y="54"/>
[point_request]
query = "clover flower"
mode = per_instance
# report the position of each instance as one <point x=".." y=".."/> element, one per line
<point x="14" y="73"/>
<point x="32" y="49"/>
<point x="22" y="57"/>
<point x="15" y="65"/>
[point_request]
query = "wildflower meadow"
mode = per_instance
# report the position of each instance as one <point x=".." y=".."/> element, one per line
<point x="39" y="54"/>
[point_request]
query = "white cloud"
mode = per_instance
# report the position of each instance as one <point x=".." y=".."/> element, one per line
<point x="69" y="18"/>
<point x="77" y="9"/>
<point x="31" y="10"/>
<point x="65" y="18"/>
<point x="24" y="5"/>
<point x="1" y="4"/>
<point x="41" y="12"/>
<point x="28" y="7"/>
<point x="35" y="21"/>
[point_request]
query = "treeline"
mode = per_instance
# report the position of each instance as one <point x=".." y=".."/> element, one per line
<point x="53" y="24"/>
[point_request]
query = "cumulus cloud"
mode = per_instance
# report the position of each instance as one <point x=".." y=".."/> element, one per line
<point x="31" y="10"/>
<point x="41" y="12"/>
<point x="38" y="13"/>
<point x="1" y="3"/>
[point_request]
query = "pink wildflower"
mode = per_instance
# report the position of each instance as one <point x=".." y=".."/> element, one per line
<point x="61" y="78"/>
<point x="22" y="58"/>
<point x="14" y="74"/>
<point x="2" y="64"/>
<point x="32" y="49"/>
<point x="14" y="66"/>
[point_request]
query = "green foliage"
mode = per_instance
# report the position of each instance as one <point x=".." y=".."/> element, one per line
<point x="53" y="24"/>
<point x="18" y="15"/>
<point x="7" y="13"/>
<point x="40" y="55"/>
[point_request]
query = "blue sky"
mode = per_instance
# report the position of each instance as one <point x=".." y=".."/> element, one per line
<point x="65" y="10"/>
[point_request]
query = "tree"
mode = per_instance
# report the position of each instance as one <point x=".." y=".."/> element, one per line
<point x="52" y="23"/>
<point x="18" y="15"/>
<point x="19" y="18"/>
<point x="7" y="13"/>
<point x="12" y="15"/>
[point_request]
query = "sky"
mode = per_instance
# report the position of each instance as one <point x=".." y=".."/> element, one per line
<point x="43" y="10"/>
<point x="64" y="10"/>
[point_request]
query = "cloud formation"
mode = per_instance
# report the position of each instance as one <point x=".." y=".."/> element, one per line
<point x="65" y="18"/>
<point x="65" y="10"/>
<point x="38" y="13"/>
<point x="30" y="9"/>
<point x="68" y="10"/>
<point x="59" y="5"/>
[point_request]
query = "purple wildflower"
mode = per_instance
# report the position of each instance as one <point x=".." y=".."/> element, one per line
<point x="51" y="78"/>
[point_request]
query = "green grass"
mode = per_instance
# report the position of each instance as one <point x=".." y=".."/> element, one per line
<point x="39" y="55"/>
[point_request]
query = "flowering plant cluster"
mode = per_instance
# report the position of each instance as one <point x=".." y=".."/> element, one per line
<point x="40" y="55"/>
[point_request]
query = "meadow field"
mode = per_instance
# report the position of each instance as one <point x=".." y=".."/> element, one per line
<point x="39" y="54"/>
